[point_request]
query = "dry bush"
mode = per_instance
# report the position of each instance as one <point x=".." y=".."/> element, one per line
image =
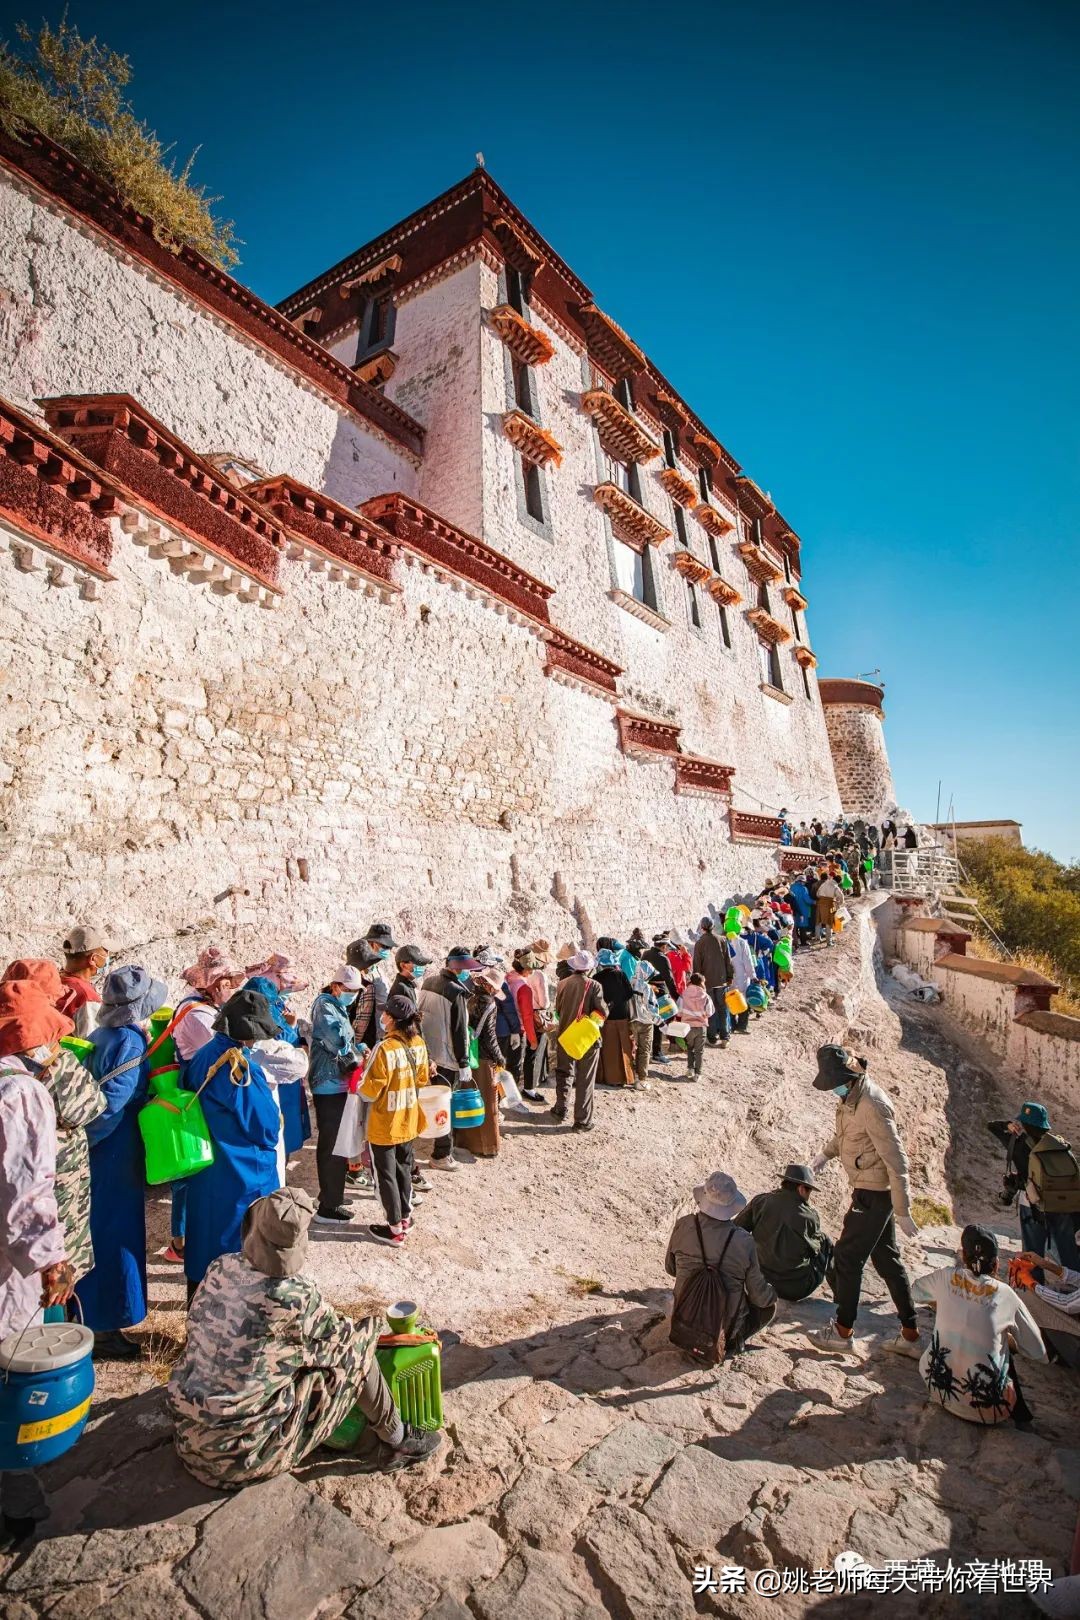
<point x="72" y="90"/>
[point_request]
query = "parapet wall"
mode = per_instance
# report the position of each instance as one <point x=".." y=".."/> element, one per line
<point x="1007" y="1006"/>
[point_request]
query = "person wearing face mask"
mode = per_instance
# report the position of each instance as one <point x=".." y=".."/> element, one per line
<point x="77" y="1099"/>
<point x="868" y="1146"/>
<point x="336" y="1051"/>
<point x="367" y="955"/>
<point x="86" y="958"/>
<point x="34" y="1269"/>
<point x="113" y="1294"/>
<point x="444" y="1021"/>
<point x="411" y="965"/>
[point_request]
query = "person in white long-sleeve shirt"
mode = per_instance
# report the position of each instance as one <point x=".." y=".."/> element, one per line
<point x="1064" y="1293"/>
<point x="968" y="1367"/>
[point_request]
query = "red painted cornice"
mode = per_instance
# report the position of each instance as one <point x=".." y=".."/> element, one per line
<point x="51" y="493"/>
<point x="344" y="535"/>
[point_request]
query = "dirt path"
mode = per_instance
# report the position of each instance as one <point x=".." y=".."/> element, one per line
<point x="586" y="1470"/>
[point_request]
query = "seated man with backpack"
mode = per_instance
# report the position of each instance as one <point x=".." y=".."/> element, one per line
<point x="721" y="1296"/>
<point x="1042" y="1170"/>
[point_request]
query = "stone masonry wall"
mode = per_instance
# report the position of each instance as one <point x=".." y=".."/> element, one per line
<point x="861" y="760"/>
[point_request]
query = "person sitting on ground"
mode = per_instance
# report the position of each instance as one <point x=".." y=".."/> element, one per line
<point x="86" y="958"/>
<point x="711" y="1238"/>
<point x="793" y="1251"/>
<point x="968" y="1367"/>
<point x="269" y="1369"/>
<point x="392" y="1081"/>
<point x="696" y="1010"/>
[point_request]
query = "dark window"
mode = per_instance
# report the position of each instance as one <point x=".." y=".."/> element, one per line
<point x="725" y="628"/>
<point x="671" y="449"/>
<point x="680" y="524"/>
<point x="787" y="566"/>
<point x="624" y="393"/>
<point x="633" y="482"/>
<point x="695" y="610"/>
<point x="714" y="554"/>
<point x="515" y="289"/>
<point x="795" y="622"/>
<point x="620" y="474"/>
<point x="644" y="578"/>
<point x="763" y="597"/>
<point x="806" y="683"/>
<point x="534" y="492"/>
<point x="704" y="478"/>
<point x="523" y="388"/>
<point x="377" y="326"/>
<point x="776" y="677"/>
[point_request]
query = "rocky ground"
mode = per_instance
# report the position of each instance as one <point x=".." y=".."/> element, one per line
<point x="586" y="1470"/>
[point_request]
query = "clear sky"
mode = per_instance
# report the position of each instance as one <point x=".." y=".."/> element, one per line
<point x="848" y="233"/>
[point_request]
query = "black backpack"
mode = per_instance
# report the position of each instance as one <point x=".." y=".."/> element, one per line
<point x="699" y="1318"/>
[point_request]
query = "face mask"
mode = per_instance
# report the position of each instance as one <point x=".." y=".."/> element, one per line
<point x="417" y="972"/>
<point x="347" y="998"/>
<point x="103" y="971"/>
<point x="465" y="975"/>
<point x="841" y="1091"/>
<point x="382" y="955"/>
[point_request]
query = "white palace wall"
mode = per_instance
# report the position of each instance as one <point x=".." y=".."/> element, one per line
<point x="175" y="760"/>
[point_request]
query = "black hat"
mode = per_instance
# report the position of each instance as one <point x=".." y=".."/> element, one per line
<point x="834" y="1069"/>
<point x="246" y="1017"/>
<point x="979" y="1249"/>
<point x="380" y="933"/>
<point x="413" y="954"/>
<point x="360" y="954"/>
<point x="800" y="1174"/>
<point x="400" y="1008"/>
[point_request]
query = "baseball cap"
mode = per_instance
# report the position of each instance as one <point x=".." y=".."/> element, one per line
<point x="84" y="940"/>
<point x="413" y="954"/>
<point x="347" y="976"/>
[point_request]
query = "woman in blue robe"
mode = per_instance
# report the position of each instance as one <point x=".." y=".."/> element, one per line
<point x="244" y="1122"/>
<point x="291" y="1096"/>
<point x="113" y="1294"/>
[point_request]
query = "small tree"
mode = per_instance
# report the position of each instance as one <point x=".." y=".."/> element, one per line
<point x="72" y="90"/>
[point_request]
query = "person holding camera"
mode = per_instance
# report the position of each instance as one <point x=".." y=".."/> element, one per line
<point x="1042" y="1177"/>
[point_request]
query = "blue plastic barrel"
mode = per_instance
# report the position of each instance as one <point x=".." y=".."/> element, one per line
<point x="46" y="1384"/>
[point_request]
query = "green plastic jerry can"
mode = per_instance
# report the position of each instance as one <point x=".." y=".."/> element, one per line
<point x="414" y="1374"/>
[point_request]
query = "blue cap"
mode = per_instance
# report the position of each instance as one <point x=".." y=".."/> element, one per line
<point x="1035" y="1115"/>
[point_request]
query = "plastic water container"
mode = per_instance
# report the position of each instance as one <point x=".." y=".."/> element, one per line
<point x="414" y="1374"/>
<point x="435" y="1101"/>
<point x="46" y="1384"/>
<point x="175" y="1136"/>
<point x="82" y="1049"/>
<point x="466" y="1108"/>
<point x="162" y="1054"/>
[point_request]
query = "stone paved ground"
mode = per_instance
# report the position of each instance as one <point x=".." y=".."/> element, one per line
<point x="586" y="1470"/>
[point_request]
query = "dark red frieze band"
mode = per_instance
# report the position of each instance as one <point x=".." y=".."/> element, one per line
<point x="49" y="492"/>
<point x="862" y="693"/>
<point x="642" y="732"/>
<point x="703" y="775"/>
<point x="574" y="658"/>
<point x="334" y="529"/>
<point x="745" y="825"/>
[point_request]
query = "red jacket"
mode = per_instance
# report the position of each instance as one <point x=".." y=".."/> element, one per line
<point x="681" y="966"/>
<point x="523" y="999"/>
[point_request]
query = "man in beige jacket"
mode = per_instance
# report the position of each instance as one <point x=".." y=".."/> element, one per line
<point x="868" y="1146"/>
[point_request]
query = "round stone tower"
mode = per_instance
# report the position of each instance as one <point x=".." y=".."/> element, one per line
<point x="853" y="719"/>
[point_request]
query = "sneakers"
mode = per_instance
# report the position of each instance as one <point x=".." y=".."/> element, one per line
<point x="830" y="1338"/>
<point x="333" y="1217"/>
<point x="906" y="1347"/>
<point x="534" y="1096"/>
<point x="449" y="1163"/>
<point x="360" y="1181"/>
<point x="584" y="1125"/>
<point x="557" y="1113"/>
<point x="173" y="1255"/>
<point x="406" y="1223"/>
<point x="416" y="1447"/>
<point x="416" y="1199"/>
<point x="420" y="1182"/>
<point x="387" y="1235"/>
<point x="661" y="1057"/>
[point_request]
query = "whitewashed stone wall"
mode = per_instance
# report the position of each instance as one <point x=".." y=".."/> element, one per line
<point x="861" y="760"/>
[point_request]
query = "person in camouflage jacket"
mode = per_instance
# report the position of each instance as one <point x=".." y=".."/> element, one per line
<point x="270" y="1369"/>
<point x="77" y="1099"/>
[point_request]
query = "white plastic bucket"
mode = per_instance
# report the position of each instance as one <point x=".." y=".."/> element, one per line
<point x="435" y="1101"/>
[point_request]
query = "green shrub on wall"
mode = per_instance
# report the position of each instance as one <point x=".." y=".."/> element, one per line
<point x="1033" y="902"/>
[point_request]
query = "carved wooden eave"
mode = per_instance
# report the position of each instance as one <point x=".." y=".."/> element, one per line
<point x="378" y="278"/>
<point x="215" y="531"/>
<point x="768" y="628"/>
<point x="752" y="500"/>
<point x="531" y="440"/>
<point x="308" y="319"/>
<point x="702" y="776"/>
<point x="629" y="521"/>
<point x="679" y="488"/>
<point x="526" y="342"/>
<point x="759" y="565"/>
<point x="706" y="447"/>
<point x="671" y="411"/>
<point x="805" y="657"/>
<point x="714" y="521"/>
<point x="748" y="828"/>
<point x="608" y="344"/>
<point x="378" y="370"/>
<point x="639" y="609"/>
<point x="691" y="567"/>
<point x="517" y="252"/>
<point x="642" y="737"/>
<point x="724" y="593"/>
<point x="621" y="435"/>
<point x="794" y="599"/>
<point x="796" y="860"/>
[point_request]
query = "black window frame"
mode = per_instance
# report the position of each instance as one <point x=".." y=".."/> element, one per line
<point x="533" y="480"/>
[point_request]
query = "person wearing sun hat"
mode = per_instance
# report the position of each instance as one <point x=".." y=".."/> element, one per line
<point x="708" y="1236"/>
<point x="793" y="1250"/>
<point x="113" y="1294"/>
<point x="336" y="1050"/>
<point x="1042" y="1231"/>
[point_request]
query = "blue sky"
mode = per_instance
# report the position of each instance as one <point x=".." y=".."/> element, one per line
<point x="848" y="233"/>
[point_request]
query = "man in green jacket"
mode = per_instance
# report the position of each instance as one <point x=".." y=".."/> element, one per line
<point x="793" y="1251"/>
